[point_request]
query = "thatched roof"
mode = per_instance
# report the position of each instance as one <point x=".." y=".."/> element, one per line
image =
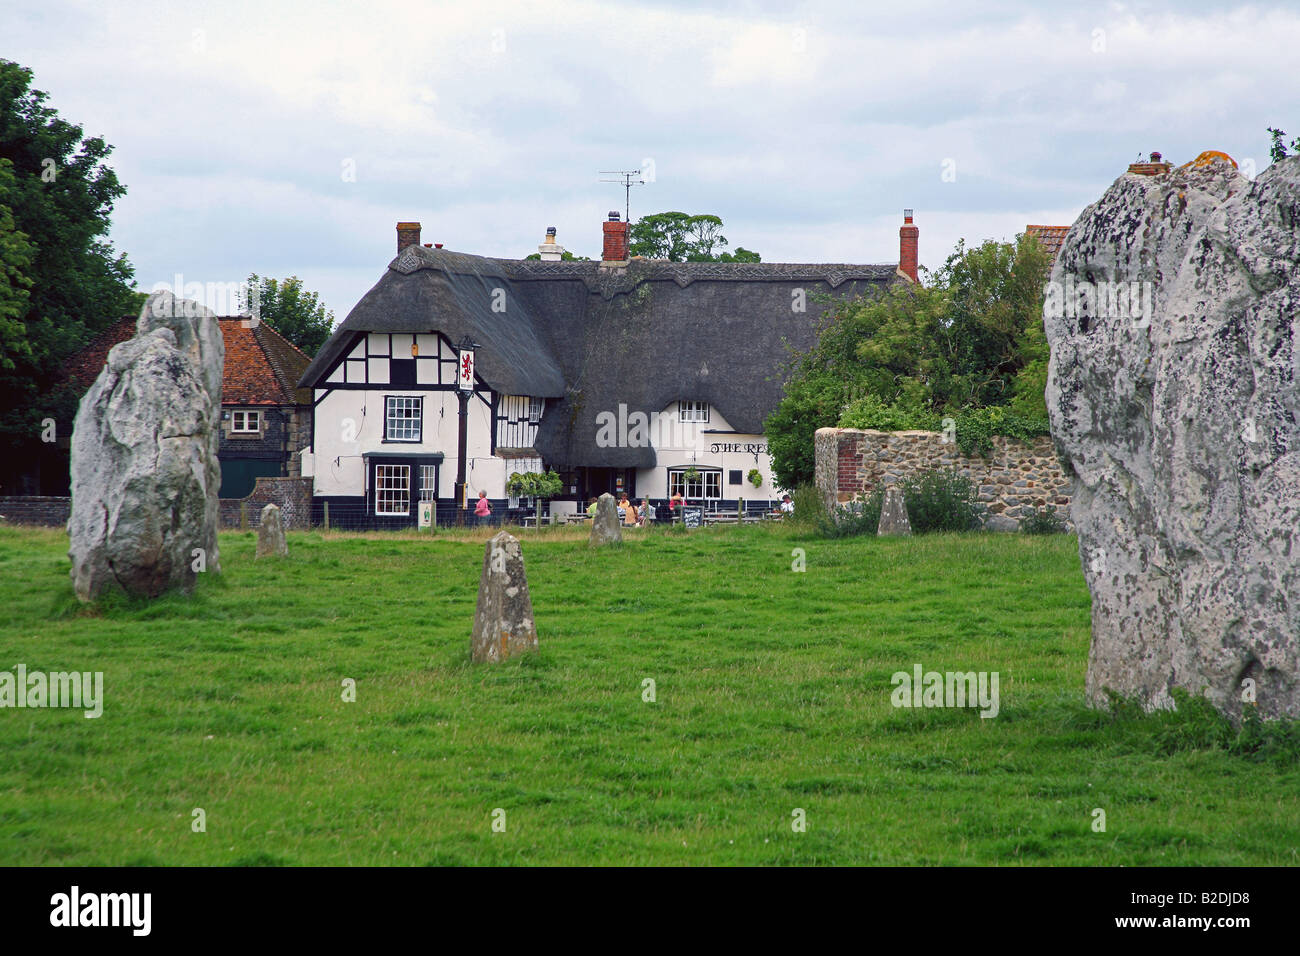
<point x="592" y="337"/>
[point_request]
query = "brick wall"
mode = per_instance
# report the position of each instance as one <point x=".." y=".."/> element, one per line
<point x="30" y="509"/>
<point x="293" y="495"/>
<point x="1014" y="479"/>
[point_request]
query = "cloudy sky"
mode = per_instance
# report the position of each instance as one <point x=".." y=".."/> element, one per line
<point x="289" y="138"/>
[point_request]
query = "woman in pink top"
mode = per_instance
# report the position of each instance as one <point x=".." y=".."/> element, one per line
<point x="483" y="509"/>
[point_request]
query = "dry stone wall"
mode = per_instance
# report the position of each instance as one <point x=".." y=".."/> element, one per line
<point x="1016" y="477"/>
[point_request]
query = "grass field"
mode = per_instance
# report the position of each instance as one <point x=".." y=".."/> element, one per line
<point x="772" y="695"/>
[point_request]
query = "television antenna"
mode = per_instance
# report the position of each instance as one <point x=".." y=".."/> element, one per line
<point x="627" y="179"/>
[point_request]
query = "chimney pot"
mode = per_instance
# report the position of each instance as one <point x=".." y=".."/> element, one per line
<point x="437" y="245"/>
<point x="613" y="215"/>
<point x="1155" y="157"/>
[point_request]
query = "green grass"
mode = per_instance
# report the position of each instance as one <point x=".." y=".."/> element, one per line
<point x="773" y="693"/>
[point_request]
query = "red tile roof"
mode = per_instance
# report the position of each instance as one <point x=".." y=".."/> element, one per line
<point x="262" y="366"/>
<point x="1051" y="238"/>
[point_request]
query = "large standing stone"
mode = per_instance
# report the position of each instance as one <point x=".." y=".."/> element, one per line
<point x="893" y="513"/>
<point x="1180" y="418"/>
<point x="503" y="622"/>
<point x="605" y="527"/>
<point x="270" y="534"/>
<point x="145" y="472"/>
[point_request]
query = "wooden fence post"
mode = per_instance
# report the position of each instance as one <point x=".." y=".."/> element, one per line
<point x="327" y="515"/>
<point x="243" y="516"/>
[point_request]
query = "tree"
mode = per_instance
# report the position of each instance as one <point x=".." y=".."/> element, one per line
<point x="56" y="196"/>
<point x="972" y="338"/>
<point x="289" y="309"/>
<point x="1278" y="150"/>
<point x="679" y="237"/>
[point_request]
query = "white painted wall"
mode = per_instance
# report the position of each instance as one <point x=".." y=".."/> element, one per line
<point x="680" y="444"/>
<point x="350" y="423"/>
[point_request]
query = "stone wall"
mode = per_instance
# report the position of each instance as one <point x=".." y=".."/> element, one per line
<point x="1015" y="478"/>
<point x="292" y="495"/>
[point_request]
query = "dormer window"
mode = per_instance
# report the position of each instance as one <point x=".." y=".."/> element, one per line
<point x="693" y="411"/>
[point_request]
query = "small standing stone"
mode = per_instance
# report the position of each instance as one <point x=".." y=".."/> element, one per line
<point x="893" y="513"/>
<point x="503" y="622"/>
<point x="604" y="527"/>
<point x="270" y="534"/>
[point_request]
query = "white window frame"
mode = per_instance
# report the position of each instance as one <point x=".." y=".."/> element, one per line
<point x="396" y="481"/>
<point x="246" y="415"/>
<point x="709" y="480"/>
<point x="428" y="490"/>
<point x="693" y="412"/>
<point x="415" y="402"/>
<point x="535" y="410"/>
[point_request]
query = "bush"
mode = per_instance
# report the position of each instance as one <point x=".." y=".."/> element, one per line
<point x="859" y="516"/>
<point x="1043" y="521"/>
<point x="808" y="507"/>
<point x="941" y="501"/>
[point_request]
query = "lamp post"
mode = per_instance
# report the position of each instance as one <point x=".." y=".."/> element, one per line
<point x="464" y="389"/>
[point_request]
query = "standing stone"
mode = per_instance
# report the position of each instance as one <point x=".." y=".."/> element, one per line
<point x="144" y="463"/>
<point x="604" y="527"/>
<point x="270" y="534"/>
<point x="1179" y="418"/>
<point x="893" y="513"/>
<point x="503" y="622"/>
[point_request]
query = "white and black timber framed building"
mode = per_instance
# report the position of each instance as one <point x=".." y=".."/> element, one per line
<point x="624" y="375"/>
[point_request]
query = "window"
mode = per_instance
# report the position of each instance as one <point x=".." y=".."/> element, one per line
<point x="693" y="411"/>
<point x="707" y="484"/>
<point x="245" y="423"/>
<point x="428" y="482"/>
<point x="534" y="411"/>
<point x="392" y="489"/>
<point x="402" y="418"/>
<point x="733" y="476"/>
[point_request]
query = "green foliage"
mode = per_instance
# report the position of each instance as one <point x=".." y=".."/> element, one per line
<point x="976" y="427"/>
<point x="809" y="509"/>
<point x="755" y="477"/>
<point x="16" y="255"/>
<point x="913" y="355"/>
<point x="291" y="310"/>
<point x="1278" y="150"/>
<point x="679" y="237"/>
<point x="1046" y="520"/>
<point x="60" y="282"/>
<point x="870" y="412"/>
<point x="857" y="517"/>
<point x="941" y="500"/>
<point x="535" y="484"/>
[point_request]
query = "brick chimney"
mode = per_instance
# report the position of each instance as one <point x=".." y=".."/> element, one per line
<point x="908" y="240"/>
<point x="408" y="234"/>
<point x="615" y="240"/>
<point x="551" y="251"/>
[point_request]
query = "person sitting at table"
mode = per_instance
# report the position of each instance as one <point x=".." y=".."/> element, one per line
<point x="787" y="506"/>
<point x="676" y="503"/>
<point x="591" y="508"/>
<point x="627" y="510"/>
<point x="647" y="515"/>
